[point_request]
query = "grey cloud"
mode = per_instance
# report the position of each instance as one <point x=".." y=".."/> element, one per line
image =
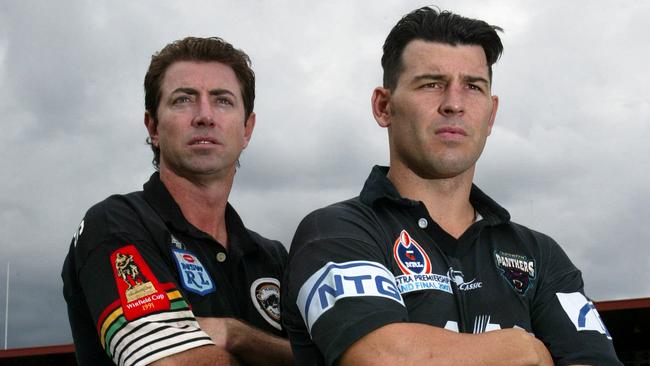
<point x="568" y="155"/>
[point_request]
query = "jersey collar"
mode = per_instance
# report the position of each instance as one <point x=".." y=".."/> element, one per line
<point x="378" y="187"/>
<point x="163" y="203"/>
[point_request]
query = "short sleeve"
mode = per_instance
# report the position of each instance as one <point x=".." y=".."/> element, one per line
<point x="565" y="319"/>
<point x="338" y="287"/>
<point x="138" y="312"/>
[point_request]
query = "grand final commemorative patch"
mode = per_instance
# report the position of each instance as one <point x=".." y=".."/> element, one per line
<point x="140" y="292"/>
<point x="194" y="276"/>
<point x="265" y="294"/>
<point x="518" y="270"/>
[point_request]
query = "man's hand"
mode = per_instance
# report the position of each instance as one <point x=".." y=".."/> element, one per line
<point x="246" y="342"/>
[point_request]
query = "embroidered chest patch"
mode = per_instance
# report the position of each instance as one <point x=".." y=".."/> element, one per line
<point x="265" y="294"/>
<point x="194" y="276"/>
<point x="518" y="270"/>
<point x="410" y="256"/>
<point x="140" y="292"/>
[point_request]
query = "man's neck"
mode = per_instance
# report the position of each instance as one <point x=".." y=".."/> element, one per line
<point x="202" y="201"/>
<point x="446" y="200"/>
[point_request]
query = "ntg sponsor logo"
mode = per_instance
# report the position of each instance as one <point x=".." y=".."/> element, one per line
<point x="336" y="281"/>
<point x="582" y="312"/>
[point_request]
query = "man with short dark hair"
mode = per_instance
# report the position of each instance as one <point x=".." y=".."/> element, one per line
<point x="170" y="275"/>
<point x="422" y="267"/>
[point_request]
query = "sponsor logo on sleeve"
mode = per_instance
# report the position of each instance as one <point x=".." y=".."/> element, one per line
<point x="582" y="312"/>
<point x="336" y="281"/>
<point x="265" y="294"/>
<point x="140" y="292"/>
<point x="194" y="276"/>
<point x="517" y="270"/>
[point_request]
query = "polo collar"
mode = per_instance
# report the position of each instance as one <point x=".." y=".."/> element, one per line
<point x="157" y="195"/>
<point x="378" y="187"/>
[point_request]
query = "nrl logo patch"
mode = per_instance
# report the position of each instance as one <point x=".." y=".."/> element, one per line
<point x="410" y="256"/>
<point x="265" y="294"/>
<point x="517" y="269"/>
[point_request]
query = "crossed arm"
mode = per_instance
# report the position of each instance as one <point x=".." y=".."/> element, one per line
<point x="426" y="345"/>
<point x="236" y="343"/>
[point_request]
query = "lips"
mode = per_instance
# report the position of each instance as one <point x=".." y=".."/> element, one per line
<point x="202" y="140"/>
<point x="450" y="130"/>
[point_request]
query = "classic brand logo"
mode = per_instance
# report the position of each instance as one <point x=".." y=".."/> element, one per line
<point x="518" y="270"/>
<point x="458" y="278"/>
<point x="410" y="256"/>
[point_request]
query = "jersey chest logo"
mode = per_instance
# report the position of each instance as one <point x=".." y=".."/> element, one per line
<point x="194" y="276"/>
<point x="265" y="294"/>
<point x="409" y="255"/>
<point x="517" y="270"/>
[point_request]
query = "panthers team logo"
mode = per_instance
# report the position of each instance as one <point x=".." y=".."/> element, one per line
<point x="410" y="256"/>
<point x="517" y="270"/>
<point x="265" y="294"/>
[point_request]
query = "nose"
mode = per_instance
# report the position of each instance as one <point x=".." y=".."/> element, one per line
<point x="204" y="116"/>
<point x="452" y="102"/>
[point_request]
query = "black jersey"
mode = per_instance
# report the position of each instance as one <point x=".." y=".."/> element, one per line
<point x="379" y="258"/>
<point x="138" y="273"/>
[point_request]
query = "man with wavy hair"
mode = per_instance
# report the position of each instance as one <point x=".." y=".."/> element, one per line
<point x="208" y="287"/>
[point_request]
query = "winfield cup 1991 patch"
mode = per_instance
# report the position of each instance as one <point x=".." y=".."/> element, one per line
<point x="518" y="270"/>
<point x="265" y="294"/>
<point x="140" y="292"/>
<point x="194" y="277"/>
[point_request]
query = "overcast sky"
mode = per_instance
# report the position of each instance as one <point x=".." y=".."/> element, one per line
<point x="568" y="156"/>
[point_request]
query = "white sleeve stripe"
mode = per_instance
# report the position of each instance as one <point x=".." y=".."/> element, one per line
<point x="156" y="332"/>
<point x="159" y="344"/>
<point x="171" y="350"/>
<point x="135" y="328"/>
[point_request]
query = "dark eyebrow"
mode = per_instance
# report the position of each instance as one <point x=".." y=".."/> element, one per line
<point x="429" y="77"/>
<point x="467" y="78"/>
<point x="185" y="90"/>
<point x="192" y="91"/>
<point x="221" y="92"/>
<point x="476" y="79"/>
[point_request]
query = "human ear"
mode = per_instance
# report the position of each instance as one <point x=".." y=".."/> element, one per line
<point x="380" y="102"/>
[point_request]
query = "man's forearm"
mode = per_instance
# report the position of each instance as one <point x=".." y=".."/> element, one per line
<point x="426" y="344"/>
<point x="199" y="356"/>
<point x="245" y="342"/>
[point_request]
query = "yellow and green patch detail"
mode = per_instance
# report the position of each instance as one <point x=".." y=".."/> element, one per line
<point x="116" y="320"/>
